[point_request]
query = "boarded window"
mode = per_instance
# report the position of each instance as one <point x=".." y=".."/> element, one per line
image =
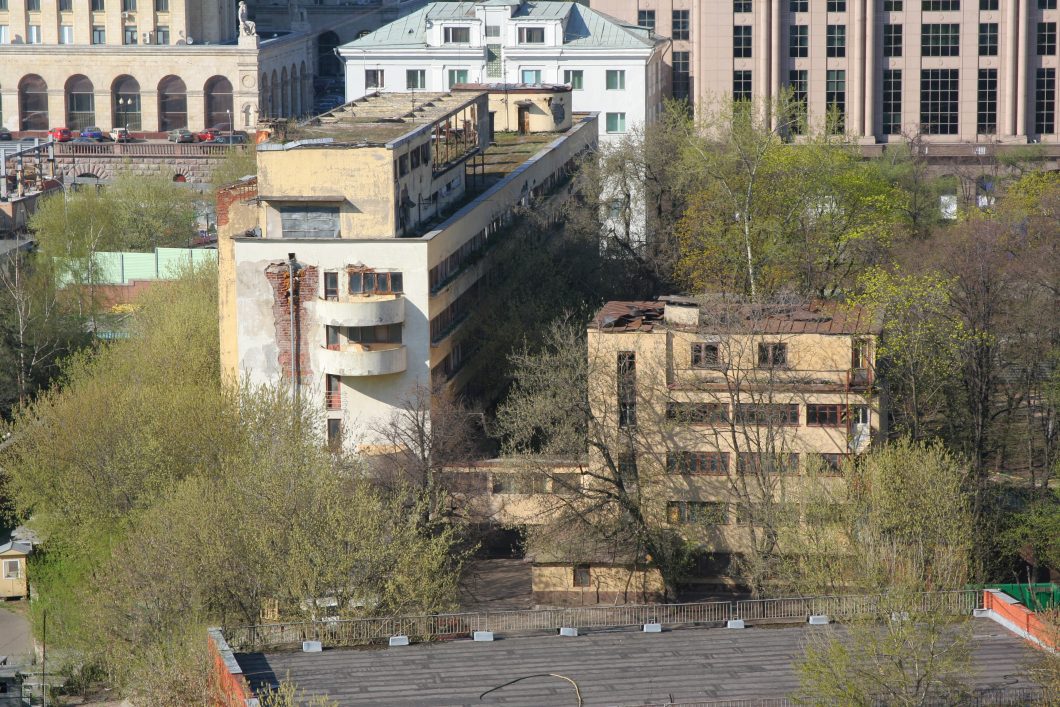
<point x="309" y="221"/>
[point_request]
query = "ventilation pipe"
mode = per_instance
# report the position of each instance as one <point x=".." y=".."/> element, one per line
<point x="292" y="269"/>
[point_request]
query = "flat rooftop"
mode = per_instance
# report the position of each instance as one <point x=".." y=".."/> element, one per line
<point x="379" y="118"/>
<point x="610" y="668"/>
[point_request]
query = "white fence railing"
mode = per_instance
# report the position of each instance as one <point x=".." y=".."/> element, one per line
<point x="356" y="632"/>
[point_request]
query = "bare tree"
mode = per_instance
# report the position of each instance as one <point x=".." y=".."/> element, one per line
<point x="36" y="328"/>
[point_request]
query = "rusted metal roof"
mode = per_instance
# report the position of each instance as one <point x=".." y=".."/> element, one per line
<point x="628" y="316"/>
<point x="809" y="317"/>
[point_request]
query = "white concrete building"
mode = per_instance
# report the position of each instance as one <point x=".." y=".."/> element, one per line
<point x="614" y="68"/>
<point x="385" y="216"/>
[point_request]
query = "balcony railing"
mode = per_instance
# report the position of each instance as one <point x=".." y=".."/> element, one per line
<point x="333" y="401"/>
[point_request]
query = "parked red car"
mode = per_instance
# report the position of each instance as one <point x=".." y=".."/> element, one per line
<point x="61" y="134"/>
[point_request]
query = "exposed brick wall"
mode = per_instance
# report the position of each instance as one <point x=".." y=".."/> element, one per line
<point x="306" y="283"/>
<point x="229" y="686"/>
<point x="232" y="194"/>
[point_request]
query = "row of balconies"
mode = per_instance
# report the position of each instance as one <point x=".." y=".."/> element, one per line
<point x="361" y="359"/>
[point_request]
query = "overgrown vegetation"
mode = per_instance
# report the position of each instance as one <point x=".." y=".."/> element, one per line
<point x="186" y="504"/>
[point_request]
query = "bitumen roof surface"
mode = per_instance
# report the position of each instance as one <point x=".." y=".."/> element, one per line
<point x="610" y="668"/>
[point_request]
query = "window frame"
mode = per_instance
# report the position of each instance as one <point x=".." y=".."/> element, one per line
<point x="836" y="41"/>
<point x="770" y="359"/>
<point x="450" y="31"/>
<point x="680" y="25"/>
<point x="420" y="75"/>
<point x="8" y="562"/>
<point x="702" y="358"/>
<point x="528" y="35"/>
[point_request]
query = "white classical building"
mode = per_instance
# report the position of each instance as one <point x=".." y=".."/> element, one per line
<point x="614" y="68"/>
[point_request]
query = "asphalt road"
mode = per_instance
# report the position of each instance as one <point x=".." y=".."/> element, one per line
<point x="16" y="641"/>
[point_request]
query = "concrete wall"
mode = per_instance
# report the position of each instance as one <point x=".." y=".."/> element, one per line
<point x="263" y="341"/>
<point x="817" y="374"/>
<point x="609" y="584"/>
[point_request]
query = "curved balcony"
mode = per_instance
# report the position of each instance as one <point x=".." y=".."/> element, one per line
<point x="368" y="310"/>
<point x="364" y="360"/>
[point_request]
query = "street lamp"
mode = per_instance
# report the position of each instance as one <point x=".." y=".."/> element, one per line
<point x="124" y="105"/>
<point x="231" y="128"/>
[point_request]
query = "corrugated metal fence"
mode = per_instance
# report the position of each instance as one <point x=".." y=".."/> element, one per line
<point x="357" y="632"/>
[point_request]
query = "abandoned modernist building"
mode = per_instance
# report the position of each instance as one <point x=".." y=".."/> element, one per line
<point x="376" y="224"/>
<point x="614" y="68"/>
<point x="971" y="71"/>
<point x="719" y="413"/>
<point x="157" y="65"/>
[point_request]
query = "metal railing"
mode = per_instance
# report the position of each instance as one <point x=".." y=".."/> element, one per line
<point x="143" y="149"/>
<point x="357" y="632"/>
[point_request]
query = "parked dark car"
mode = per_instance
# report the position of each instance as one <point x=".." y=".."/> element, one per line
<point x="181" y="135"/>
<point x="5" y="135"/>
<point x="234" y="139"/>
<point x="92" y="132"/>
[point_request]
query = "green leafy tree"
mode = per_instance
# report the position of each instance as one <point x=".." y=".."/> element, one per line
<point x="919" y="350"/>
<point x="168" y="502"/>
<point x="766" y="214"/>
<point x="901" y="525"/>
<point x="133" y="213"/>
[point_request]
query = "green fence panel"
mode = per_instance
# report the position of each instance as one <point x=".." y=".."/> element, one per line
<point x="1033" y="596"/>
<point x="139" y="266"/>
<point x="108" y="268"/>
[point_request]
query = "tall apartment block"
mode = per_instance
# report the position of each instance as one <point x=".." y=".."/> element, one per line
<point x="952" y="70"/>
<point x="350" y="263"/>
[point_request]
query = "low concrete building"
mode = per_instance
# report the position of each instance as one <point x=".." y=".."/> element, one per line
<point x="348" y="266"/>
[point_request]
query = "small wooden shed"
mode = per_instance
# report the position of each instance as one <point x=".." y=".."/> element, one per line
<point x="13" y="581"/>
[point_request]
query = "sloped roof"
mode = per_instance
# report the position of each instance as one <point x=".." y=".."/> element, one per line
<point x="12" y="546"/>
<point x="586" y="28"/>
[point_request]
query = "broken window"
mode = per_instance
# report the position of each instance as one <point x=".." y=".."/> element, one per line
<point x="772" y="355"/>
<point x="381" y="334"/>
<point x="765" y="414"/>
<point x="697" y="413"/>
<point x="334" y="433"/>
<point x="755" y="463"/>
<point x="627" y="389"/>
<point x="331" y="285"/>
<point x="333" y="396"/>
<point x="716" y="463"/>
<point x="705" y="355"/>
<point x="369" y="282"/>
<point x="331" y="334"/>
<point x="697" y="512"/>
